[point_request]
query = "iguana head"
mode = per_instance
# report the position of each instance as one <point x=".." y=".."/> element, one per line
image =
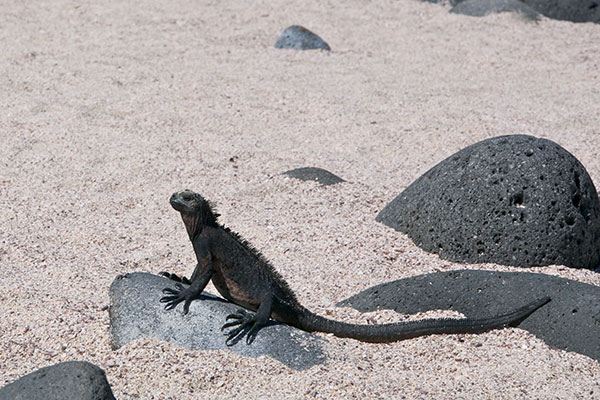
<point x="196" y="212"/>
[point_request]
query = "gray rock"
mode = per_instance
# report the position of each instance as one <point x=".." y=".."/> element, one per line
<point x="568" y="10"/>
<point x="135" y="312"/>
<point x="314" y="174"/>
<point x="68" y="380"/>
<point x="571" y="321"/>
<point x="480" y="8"/>
<point x="513" y="200"/>
<point x="300" y="38"/>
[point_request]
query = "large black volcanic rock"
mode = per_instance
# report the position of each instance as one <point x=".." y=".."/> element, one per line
<point x="67" y="380"/>
<point x="513" y="200"/>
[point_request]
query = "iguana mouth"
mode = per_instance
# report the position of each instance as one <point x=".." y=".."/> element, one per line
<point x="177" y="202"/>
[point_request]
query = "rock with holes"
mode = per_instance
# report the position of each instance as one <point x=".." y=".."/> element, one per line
<point x="513" y="200"/>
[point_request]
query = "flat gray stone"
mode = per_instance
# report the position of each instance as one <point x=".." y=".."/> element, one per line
<point x="136" y="312"/>
<point x="67" y="380"/>
<point x="320" y="175"/>
<point x="571" y="321"/>
<point x="299" y="38"/>
<point x="481" y="8"/>
<point x="513" y="200"/>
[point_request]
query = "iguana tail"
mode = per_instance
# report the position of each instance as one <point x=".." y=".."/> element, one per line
<point x="405" y="330"/>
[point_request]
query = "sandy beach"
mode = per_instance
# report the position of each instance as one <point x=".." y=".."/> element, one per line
<point x="108" y="107"/>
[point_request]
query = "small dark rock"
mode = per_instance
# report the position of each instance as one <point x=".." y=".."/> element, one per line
<point x="314" y="174"/>
<point x="68" y="380"/>
<point x="136" y="312"/>
<point x="571" y="321"/>
<point x="513" y="200"/>
<point x="480" y="8"/>
<point x="300" y="38"/>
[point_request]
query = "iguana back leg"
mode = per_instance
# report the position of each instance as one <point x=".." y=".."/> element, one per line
<point x="244" y="319"/>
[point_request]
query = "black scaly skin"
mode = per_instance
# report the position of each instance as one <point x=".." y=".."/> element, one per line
<point x="244" y="277"/>
<point x="176" y="278"/>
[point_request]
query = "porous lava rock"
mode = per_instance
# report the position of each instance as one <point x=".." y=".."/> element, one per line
<point x="320" y="175"/>
<point x="67" y="380"/>
<point x="299" y="38"/>
<point x="513" y="200"/>
<point x="481" y="8"/>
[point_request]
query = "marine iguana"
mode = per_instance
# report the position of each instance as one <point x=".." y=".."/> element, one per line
<point x="244" y="277"/>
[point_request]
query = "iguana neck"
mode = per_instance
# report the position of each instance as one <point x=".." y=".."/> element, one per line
<point x="192" y="224"/>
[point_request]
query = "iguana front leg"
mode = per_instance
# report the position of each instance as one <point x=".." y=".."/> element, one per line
<point x="244" y="319"/>
<point x="189" y="294"/>
<point x="200" y="278"/>
<point x="182" y="279"/>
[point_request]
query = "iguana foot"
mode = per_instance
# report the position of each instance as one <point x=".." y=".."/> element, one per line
<point x="175" y="277"/>
<point x="244" y="319"/>
<point x="178" y="295"/>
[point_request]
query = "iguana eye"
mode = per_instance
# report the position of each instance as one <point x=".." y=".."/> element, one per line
<point x="186" y="196"/>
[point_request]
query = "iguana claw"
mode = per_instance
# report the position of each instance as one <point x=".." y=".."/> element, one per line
<point x="178" y="295"/>
<point x="244" y="319"/>
<point x="175" y="277"/>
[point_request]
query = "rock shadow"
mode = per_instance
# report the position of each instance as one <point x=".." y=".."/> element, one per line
<point x="571" y="321"/>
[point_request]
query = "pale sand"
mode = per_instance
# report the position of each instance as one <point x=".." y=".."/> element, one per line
<point x="108" y="107"/>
